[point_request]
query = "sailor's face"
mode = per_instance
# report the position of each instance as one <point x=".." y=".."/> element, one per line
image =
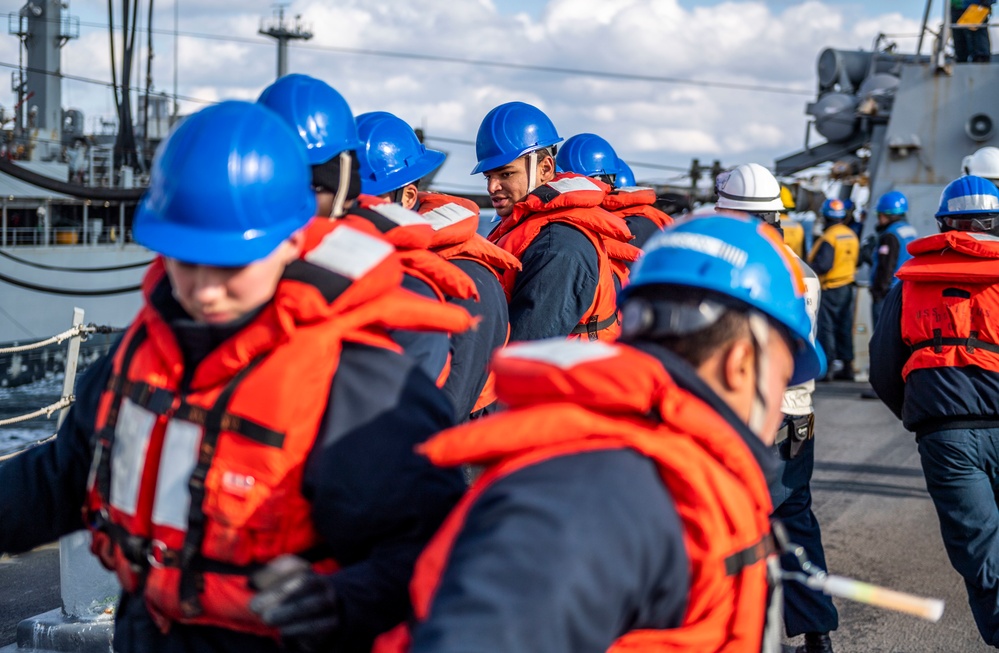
<point x="507" y="185"/>
<point x="216" y="295"/>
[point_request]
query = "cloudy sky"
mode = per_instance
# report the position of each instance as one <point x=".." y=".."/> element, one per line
<point x="732" y="81"/>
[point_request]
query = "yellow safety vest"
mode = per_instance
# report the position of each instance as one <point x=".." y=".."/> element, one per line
<point x="846" y="246"/>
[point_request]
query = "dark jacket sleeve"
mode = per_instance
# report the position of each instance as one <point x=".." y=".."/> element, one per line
<point x="555" y="287"/>
<point x="375" y="501"/>
<point x="472" y="350"/>
<point x="889" y="353"/>
<point x="887" y="253"/>
<point x="44" y="488"/>
<point x="560" y="557"/>
<point x="823" y="259"/>
<point x="641" y="228"/>
<point x="429" y="349"/>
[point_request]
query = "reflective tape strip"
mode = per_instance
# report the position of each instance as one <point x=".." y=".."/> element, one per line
<point x="180" y="455"/>
<point x="973" y="203"/>
<point x="349" y="252"/>
<point x="128" y="454"/>
<point x="399" y="215"/>
<point x="447" y="215"/>
<point x="977" y="235"/>
<point x="570" y="184"/>
<point x="560" y="353"/>
<point x="708" y="245"/>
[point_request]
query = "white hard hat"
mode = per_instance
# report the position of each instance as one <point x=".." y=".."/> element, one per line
<point x="749" y="187"/>
<point x="983" y="163"/>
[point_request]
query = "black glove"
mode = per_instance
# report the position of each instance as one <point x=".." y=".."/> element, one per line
<point x="297" y="601"/>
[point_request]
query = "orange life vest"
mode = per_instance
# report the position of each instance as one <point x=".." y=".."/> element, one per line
<point x="456" y="221"/>
<point x="197" y="473"/>
<point x="950" y="301"/>
<point x="412" y="236"/>
<point x="569" y="397"/>
<point x="575" y="200"/>
<point x="628" y="202"/>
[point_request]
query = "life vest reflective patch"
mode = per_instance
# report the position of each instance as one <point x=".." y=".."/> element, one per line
<point x="570" y="184"/>
<point x="172" y="503"/>
<point x="398" y="214"/>
<point x="132" y="433"/>
<point x="349" y="252"/>
<point x="558" y="352"/>
<point x="449" y="214"/>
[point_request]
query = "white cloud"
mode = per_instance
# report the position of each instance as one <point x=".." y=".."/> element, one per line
<point x="738" y="42"/>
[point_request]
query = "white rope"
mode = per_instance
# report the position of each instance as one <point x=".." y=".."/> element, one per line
<point x="47" y="411"/>
<point x="31" y="446"/>
<point x="78" y="330"/>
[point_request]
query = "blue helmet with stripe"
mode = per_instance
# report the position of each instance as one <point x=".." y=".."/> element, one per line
<point x="742" y="259"/>
<point x="969" y="203"/>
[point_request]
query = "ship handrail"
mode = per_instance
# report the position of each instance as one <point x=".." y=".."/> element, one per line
<point x="64" y="402"/>
<point x="27" y="447"/>
<point x="81" y="330"/>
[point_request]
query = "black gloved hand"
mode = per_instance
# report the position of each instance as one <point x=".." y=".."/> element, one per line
<point x="297" y="601"/>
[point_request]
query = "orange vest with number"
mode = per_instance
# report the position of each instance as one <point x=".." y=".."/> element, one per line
<point x="950" y="301"/>
<point x="568" y="397"/>
<point x="197" y="474"/>
<point x="575" y="200"/>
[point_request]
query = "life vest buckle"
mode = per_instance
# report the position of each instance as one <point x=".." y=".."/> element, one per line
<point x="160" y="556"/>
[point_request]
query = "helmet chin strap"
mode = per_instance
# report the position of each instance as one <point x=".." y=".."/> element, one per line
<point x="532" y="171"/>
<point x="343" y="186"/>
<point x="759" y="330"/>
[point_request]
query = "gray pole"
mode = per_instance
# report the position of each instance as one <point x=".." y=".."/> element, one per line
<point x="276" y="28"/>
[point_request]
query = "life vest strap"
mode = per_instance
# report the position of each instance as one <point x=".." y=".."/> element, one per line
<point x="749" y="556"/>
<point x="938" y="342"/>
<point x="593" y="325"/>
<point x="192" y="581"/>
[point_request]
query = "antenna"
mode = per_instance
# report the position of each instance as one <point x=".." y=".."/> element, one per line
<point x="277" y="29"/>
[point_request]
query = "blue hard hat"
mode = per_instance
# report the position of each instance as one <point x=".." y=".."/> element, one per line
<point x="625" y="177"/>
<point x="739" y="258"/>
<point x="834" y="209"/>
<point x="968" y="195"/>
<point x="893" y="203"/>
<point x="510" y="131"/>
<point x="227" y="187"/>
<point x="588" y="155"/>
<point x="391" y="155"/>
<point x="317" y="112"/>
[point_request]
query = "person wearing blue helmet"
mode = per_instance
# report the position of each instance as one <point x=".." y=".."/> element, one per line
<point x="574" y="254"/>
<point x="326" y="126"/>
<point x="753" y="189"/>
<point x="254" y="415"/>
<point x="894" y="234"/>
<point x="597" y="522"/>
<point x="592" y="156"/>
<point x="393" y="161"/>
<point x="935" y="364"/>
<point x="834" y="257"/>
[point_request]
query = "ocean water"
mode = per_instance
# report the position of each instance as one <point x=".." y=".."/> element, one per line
<point x="25" y="399"/>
